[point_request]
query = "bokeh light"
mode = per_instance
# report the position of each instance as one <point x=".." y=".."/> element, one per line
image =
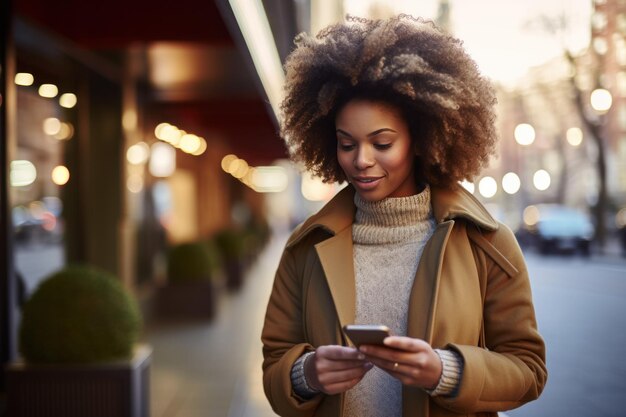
<point x="60" y="175"/>
<point x="24" y="79"/>
<point x="189" y="143"/>
<point x="68" y="100"/>
<point x="52" y="126"/>
<point x="511" y="183"/>
<point x="162" y="160"/>
<point x="48" y="90"/>
<point x="541" y="180"/>
<point x="65" y="132"/>
<point x="134" y="183"/>
<point x="488" y="187"/>
<point x="313" y="189"/>
<point x="524" y="134"/>
<point x="531" y="215"/>
<point x="469" y="186"/>
<point x="227" y="160"/>
<point x="269" y="179"/>
<point x="574" y="136"/>
<point x="23" y="173"/>
<point x="138" y="153"/>
<point x="601" y="100"/>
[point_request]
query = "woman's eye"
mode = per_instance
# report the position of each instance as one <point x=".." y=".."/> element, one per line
<point x="382" y="146"/>
<point x="346" y="146"/>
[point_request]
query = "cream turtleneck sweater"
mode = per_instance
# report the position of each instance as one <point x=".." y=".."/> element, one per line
<point x="389" y="237"/>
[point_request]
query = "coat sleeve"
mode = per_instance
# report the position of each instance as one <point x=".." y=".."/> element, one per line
<point x="511" y="370"/>
<point x="284" y="342"/>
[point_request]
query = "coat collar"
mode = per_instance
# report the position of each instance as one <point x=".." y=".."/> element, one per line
<point x="448" y="204"/>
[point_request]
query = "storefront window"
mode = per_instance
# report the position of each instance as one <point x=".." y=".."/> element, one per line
<point x="38" y="175"/>
<point x="65" y="169"/>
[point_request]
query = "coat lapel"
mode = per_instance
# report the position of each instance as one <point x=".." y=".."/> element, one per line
<point x="422" y="302"/>
<point x="426" y="285"/>
<point x="336" y="257"/>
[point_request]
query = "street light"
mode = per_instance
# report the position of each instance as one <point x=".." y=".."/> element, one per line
<point x="524" y="134"/>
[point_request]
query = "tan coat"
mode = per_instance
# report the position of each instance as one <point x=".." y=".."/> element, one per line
<point x="471" y="294"/>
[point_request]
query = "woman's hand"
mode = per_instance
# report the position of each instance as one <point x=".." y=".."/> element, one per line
<point x="335" y="369"/>
<point x="412" y="361"/>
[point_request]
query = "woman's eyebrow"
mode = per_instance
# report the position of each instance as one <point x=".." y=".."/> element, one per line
<point x="369" y="135"/>
<point x="384" y="129"/>
<point x="344" y="133"/>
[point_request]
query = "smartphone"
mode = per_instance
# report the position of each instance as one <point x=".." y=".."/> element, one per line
<point x="366" y="334"/>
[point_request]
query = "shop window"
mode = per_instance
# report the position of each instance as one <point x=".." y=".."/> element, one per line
<point x="38" y="174"/>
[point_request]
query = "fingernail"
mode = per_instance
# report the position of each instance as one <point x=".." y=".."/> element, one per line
<point x="361" y="356"/>
<point x="368" y="365"/>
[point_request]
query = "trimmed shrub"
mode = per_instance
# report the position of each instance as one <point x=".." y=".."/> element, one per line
<point x="189" y="262"/>
<point x="79" y="315"/>
<point x="230" y="243"/>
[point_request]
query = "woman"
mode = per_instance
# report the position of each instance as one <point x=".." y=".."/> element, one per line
<point x="398" y="110"/>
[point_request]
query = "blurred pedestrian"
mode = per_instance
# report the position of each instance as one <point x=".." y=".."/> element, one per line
<point x="398" y="110"/>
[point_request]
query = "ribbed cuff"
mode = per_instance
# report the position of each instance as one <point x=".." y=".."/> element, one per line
<point x="298" y="379"/>
<point x="452" y="369"/>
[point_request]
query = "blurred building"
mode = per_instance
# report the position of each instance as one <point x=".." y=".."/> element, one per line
<point x="116" y="121"/>
<point x="608" y="58"/>
<point x="553" y="154"/>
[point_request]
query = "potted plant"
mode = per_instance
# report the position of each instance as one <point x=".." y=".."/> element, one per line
<point x="78" y="339"/>
<point x="190" y="290"/>
<point x="231" y="246"/>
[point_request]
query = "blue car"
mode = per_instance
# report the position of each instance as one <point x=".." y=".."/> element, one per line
<point x="554" y="228"/>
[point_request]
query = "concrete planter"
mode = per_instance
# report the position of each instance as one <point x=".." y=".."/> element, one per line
<point x="186" y="300"/>
<point x="120" y="389"/>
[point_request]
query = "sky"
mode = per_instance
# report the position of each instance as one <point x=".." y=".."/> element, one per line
<point x="496" y="33"/>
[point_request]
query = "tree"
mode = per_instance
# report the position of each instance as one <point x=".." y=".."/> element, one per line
<point x="558" y="26"/>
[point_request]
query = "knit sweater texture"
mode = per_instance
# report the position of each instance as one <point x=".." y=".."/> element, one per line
<point x="389" y="237"/>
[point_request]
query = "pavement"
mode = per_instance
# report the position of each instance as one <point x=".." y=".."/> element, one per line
<point x="213" y="368"/>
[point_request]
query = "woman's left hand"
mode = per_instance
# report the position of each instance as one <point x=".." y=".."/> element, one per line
<point x="412" y="361"/>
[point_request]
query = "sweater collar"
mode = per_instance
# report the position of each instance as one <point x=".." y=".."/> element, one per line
<point x="448" y="204"/>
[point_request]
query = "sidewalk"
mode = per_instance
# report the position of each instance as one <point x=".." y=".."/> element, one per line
<point x="214" y="368"/>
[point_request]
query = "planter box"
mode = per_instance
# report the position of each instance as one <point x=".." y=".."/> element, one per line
<point x="114" y="389"/>
<point x="186" y="300"/>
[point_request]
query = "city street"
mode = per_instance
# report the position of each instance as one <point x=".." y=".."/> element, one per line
<point x="580" y="308"/>
<point x="581" y="311"/>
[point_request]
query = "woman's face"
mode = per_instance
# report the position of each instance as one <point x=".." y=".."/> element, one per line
<point x="375" y="150"/>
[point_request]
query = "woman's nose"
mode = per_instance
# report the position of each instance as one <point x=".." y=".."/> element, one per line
<point x="364" y="158"/>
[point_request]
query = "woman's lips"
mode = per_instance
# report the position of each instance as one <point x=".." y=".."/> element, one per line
<point x="366" y="183"/>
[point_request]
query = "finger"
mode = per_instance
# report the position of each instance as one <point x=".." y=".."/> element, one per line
<point x="409" y="344"/>
<point x="330" y="378"/>
<point x="339" y="353"/>
<point x="342" y="386"/>
<point x="383" y="364"/>
<point x="332" y="365"/>
<point x="389" y="354"/>
<point x="403" y="372"/>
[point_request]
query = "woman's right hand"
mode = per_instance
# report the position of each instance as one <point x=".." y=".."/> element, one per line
<point x="335" y="369"/>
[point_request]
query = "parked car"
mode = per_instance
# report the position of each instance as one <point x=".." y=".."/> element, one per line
<point x="555" y="228"/>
